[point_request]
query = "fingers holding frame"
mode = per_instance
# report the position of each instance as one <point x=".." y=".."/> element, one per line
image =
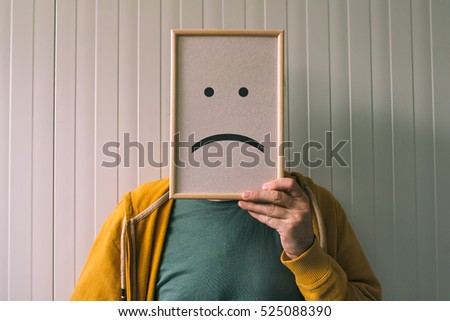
<point x="285" y="184"/>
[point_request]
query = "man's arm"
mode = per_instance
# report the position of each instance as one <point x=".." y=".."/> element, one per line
<point x="344" y="273"/>
<point x="100" y="278"/>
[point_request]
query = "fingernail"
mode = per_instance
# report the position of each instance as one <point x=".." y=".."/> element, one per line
<point x="265" y="187"/>
<point x="246" y="195"/>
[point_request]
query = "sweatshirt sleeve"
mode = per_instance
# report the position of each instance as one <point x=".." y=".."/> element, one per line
<point x="100" y="277"/>
<point x="342" y="274"/>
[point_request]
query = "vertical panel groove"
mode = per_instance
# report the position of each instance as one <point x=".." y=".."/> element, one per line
<point x="330" y="103"/>
<point x="350" y="107"/>
<point x="265" y="14"/>
<point x="65" y="150"/>
<point x="362" y="149"/>
<point x="160" y="89"/>
<point x="308" y="98"/>
<point x="118" y="96"/>
<point x="393" y="145"/>
<point x="74" y="218"/>
<point x="180" y="4"/>
<point x="286" y="124"/>
<point x="10" y="145"/>
<point x="32" y="144"/>
<point x="5" y="84"/>
<point x="138" y="84"/>
<point x="297" y="78"/>
<point x="433" y="113"/>
<point x="413" y="97"/>
<point x="245" y="14"/>
<point x="380" y="83"/>
<point x="170" y="10"/>
<point x="373" y="131"/>
<point x="161" y="28"/>
<point x="55" y="17"/>
<point x="95" y="115"/>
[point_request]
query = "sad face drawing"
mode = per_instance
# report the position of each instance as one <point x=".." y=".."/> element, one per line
<point x="225" y="112"/>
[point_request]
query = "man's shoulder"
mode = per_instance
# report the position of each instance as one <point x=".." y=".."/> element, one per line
<point x="144" y="195"/>
<point x="151" y="186"/>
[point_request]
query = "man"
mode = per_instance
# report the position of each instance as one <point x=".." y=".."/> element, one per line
<point x="288" y="241"/>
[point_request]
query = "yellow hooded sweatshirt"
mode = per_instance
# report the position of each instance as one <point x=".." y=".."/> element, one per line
<point x="124" y="260"/>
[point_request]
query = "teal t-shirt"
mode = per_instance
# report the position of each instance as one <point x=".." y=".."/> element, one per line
<point x="217" y="251"/>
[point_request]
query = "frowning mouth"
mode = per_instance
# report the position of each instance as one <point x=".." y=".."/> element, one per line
<point x="222" y="137"/>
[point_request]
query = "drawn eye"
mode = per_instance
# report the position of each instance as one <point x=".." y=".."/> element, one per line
<point x="243" y="92"/>
<point x="209" y="92"/>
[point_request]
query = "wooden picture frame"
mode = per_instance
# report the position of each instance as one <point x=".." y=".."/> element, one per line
<point x="227" y="95"/>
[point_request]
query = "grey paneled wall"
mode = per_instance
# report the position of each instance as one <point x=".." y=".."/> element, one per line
<point x="76" y="74"/>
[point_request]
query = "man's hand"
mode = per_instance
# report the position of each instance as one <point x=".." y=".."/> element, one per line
<point x="283" y="206"/>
